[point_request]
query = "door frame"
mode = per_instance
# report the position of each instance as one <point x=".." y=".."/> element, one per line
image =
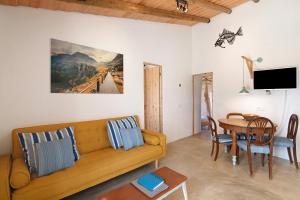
<point x="212" y="107"/>
<point x="193" y="83"/>
<point x="146" y="65"/>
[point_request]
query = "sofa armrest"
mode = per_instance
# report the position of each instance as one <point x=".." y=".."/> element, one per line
<point x="20" y="175"/>
<point x="151" y="138"/>
<point x="5" y="167"/>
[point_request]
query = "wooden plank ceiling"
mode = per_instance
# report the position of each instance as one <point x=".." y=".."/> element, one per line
<point x="200" y="11"/>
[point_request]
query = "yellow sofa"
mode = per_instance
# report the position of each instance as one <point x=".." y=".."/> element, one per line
<point x="98" y="162"/>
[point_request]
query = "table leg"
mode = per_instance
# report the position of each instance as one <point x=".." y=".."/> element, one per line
<point x="233" y="147"/>
<point x="184" y="191"/>
<point x="156" y="164"/>
<point x="234" y="160"/>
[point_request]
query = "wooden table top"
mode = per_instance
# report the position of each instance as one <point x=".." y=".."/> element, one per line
<point x="234" y="122"/>
<point x="238" y="122"/>
<point x="129" y="192"/>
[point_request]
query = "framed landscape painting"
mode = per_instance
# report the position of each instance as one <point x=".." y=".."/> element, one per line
<point x="81" y="69"/>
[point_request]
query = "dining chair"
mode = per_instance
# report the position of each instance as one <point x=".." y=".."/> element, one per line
<point x="240" y="136"/>
<point x="234" y="114"/>
<point x="263" y="130"/>
<point x="217" y="139"/>
<point x="290" y="140"/>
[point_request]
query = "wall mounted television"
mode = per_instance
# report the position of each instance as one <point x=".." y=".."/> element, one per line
<point x="272" y="79"/>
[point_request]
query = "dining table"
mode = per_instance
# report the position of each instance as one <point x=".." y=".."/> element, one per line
<point x="235" y="126"/>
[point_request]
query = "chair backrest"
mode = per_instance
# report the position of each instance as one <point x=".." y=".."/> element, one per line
<point x="293" y="127"/>
<point x="234" y="114"/>
<point x="212" y="126"/>
<point x="263" y="130"/>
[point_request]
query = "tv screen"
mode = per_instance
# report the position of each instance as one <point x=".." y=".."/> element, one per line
<point x="284" y="78"/>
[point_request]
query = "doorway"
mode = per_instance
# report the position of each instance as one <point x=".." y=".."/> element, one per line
<point x="153" y="97"/>
<point x="202" y="100"/>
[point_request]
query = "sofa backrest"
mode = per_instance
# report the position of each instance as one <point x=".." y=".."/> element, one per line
<point x="90" y="135"/>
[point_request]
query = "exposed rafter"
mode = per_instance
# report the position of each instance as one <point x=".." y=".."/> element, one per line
<point x="213" y="6"/>
<point x="138" y="8"/>
<point x="151" y="10"/>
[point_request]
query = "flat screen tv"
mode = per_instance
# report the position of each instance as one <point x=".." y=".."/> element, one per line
<point x="272" y="79"/>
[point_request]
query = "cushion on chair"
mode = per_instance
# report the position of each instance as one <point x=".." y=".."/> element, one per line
<point x="254" y="148"/>
<point x="223" y="138"/>
<point x="243" y="136"/>
<point x="283" y="142"/>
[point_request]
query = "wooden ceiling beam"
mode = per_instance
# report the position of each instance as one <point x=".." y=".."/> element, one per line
<point x="213" y="6"/>
<point x="139" y="8"/>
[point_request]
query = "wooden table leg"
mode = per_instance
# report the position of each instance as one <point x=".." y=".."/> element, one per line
<point x="233" y="147"/>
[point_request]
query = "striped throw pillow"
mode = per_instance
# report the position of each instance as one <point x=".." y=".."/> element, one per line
<point x="131" y="137"/>
<point x="54" y="156"/>
<point x="28" y="140"/>
<point x="113" y="130"/>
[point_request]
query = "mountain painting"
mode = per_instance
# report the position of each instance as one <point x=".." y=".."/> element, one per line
<point x="81" y="69"/>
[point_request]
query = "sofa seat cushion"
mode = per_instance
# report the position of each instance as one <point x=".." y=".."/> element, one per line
<point x="92" y="168"/>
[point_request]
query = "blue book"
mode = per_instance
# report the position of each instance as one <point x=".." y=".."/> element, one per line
<point x="150" y="181"/>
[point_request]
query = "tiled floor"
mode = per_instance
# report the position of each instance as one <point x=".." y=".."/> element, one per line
<point x="209" y="180"/>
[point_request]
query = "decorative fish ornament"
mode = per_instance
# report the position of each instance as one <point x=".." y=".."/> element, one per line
<point x="228" y="36"/>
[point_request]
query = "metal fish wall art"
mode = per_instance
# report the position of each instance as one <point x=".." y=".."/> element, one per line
<point x="228" y="36"/>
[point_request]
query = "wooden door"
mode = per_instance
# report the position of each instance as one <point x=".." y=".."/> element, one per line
<point x="152" y="97"/>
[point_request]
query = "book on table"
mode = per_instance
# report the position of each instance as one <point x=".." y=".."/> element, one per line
<point x="155" y="184"/>
<point x="150" y="181"/>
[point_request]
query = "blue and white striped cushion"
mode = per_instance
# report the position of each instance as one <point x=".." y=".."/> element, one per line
<point x="28" y="140"/>
<point x="113" y="130"/>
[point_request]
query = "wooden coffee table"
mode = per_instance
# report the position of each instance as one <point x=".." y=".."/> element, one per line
<point x="128" y="192"/>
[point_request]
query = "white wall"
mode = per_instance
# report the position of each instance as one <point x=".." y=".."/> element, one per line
<point x="271" y="31"/>
<point x="25" y="97"/>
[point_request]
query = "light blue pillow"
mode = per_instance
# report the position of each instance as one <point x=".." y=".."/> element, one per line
<point x="113" y="130"/>
<point x="28" y="140"/>
<point x="53" y="156"/>
<point x="131" y="137"/>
